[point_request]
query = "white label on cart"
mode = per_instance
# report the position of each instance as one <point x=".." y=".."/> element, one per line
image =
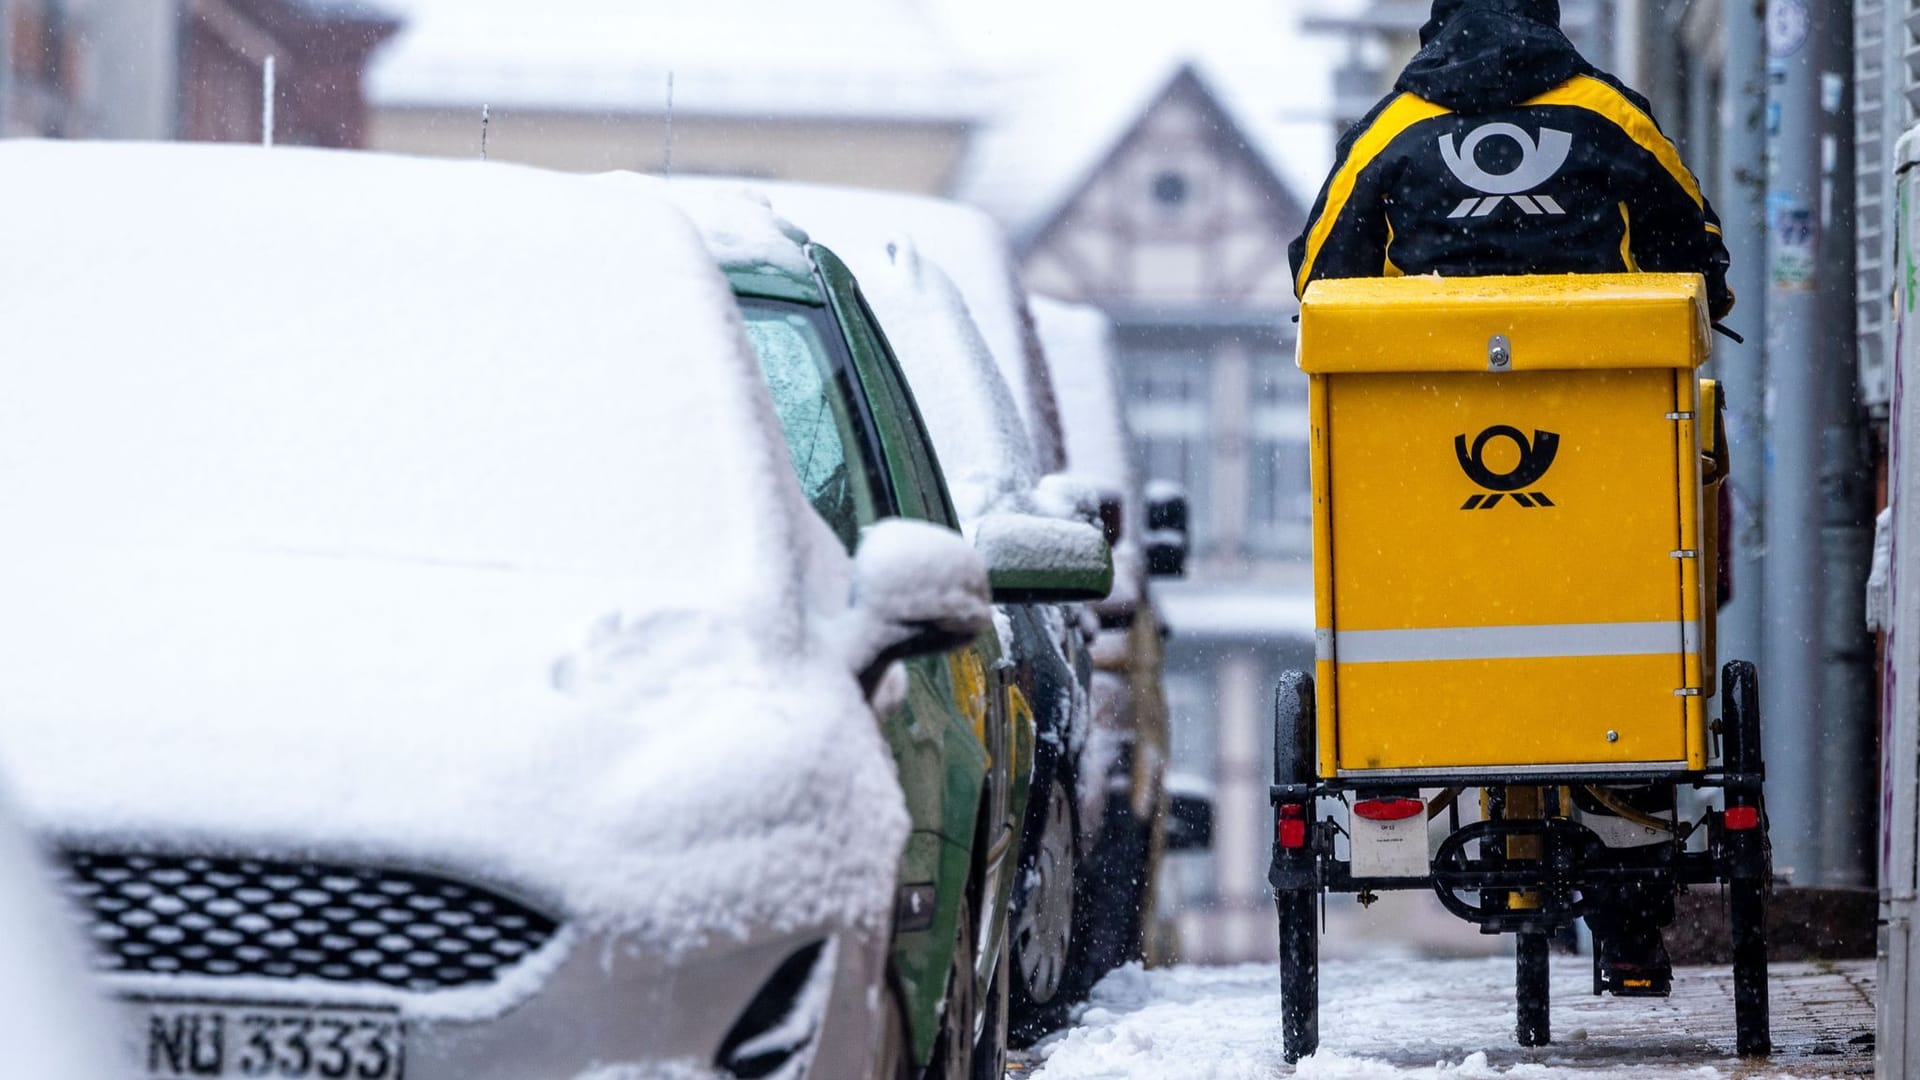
<point x="1395" y="847"/>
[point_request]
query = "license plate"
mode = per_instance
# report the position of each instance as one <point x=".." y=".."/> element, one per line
<point x="227" y="1039"/>
<point x="1389" y="848"/>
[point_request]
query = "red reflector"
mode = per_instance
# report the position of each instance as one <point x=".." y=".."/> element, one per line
<point x="1743" y="817"/>
<point x="1293" y="833"/>
<point x="1292" y="812"/>
<point x="1388" y="809"/>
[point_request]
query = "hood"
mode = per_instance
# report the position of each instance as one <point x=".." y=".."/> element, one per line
<point x="1481" y="55"/>
<point x="627" y="768"/>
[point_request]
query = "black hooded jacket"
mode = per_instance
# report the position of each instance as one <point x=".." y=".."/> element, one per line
<point x="1502" y="151"/>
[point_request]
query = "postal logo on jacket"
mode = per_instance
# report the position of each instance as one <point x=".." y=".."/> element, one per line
<point x="1540" y="160"/>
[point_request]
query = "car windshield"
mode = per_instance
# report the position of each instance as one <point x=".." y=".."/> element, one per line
<point x="813" y="398"/>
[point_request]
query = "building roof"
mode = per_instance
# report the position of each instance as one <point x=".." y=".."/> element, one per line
<point x="1053" y="130"/>
<point x="872" y="59"/>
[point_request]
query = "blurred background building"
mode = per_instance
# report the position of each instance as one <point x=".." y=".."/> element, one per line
<point x="187" y="69"/>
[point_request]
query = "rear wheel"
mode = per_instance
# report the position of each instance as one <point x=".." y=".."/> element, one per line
<point x="1043" y="915"/>
<point x="1530" y="988"/>
<point x="1110" y="900"/>
<point x="1295" y="872"/>
<point x="1750" y="865"/>
<point x="1299" y="974"/>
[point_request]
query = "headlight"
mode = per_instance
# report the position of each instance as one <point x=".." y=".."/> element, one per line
<point x="775" y="1034"/>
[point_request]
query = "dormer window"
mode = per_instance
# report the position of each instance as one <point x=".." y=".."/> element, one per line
<point x="1170" y="189"/>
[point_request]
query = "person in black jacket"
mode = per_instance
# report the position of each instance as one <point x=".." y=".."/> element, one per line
<point x="1503" y="151"/>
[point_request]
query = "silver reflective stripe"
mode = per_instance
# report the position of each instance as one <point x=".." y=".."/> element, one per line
<point x="1516" y="642"/>
<point x="1322" y="644"/>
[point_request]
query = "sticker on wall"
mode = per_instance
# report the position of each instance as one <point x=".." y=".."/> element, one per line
<point x="1787" y="26"/>
<point x="1792" y="238"/>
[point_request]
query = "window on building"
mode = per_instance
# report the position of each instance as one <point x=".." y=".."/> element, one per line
<point x="1169" y="405"/>
<point x="1170" y="189"/>
<point x="1279" y="494"/>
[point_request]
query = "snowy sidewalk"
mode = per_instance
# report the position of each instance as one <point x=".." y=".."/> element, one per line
<point x="1454" y="1018"/>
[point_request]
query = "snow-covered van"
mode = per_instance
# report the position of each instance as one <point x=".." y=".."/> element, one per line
<point x="419" y="650"/>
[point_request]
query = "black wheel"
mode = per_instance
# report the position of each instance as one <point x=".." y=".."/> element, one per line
<point x="1531" y="951"/>
<point x="1299" y="974"/>
<point x="1110" y="901"/>
<point x="1294" y="757"/>
<point x="1043" y="945"/>
<point x="1752" y="1030"/>
<point x="1295" y="870"/>
<point x="953" y="1049"/>
<point x="1749" y="862"/>
<point x="990" y="1038"/>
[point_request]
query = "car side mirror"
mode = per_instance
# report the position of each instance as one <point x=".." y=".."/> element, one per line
<point x="918" y="589"/>
<point x="1189" y="821"/>
<point x="1166" y="530"/>
<point x="1041" y="560"/>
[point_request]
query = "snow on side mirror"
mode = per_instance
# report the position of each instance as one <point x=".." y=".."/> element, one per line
<point x="1067" y="495"/>
<point x="1040" y="560"/>
<point x="918" y="589"/>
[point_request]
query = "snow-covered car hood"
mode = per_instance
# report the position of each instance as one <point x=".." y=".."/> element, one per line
<point x="650" y="769"/>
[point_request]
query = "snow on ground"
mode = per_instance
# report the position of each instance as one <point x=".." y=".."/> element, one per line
<point x="1454" y="1018"/>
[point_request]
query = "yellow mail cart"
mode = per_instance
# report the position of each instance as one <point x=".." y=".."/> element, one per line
<point x="1516" y="483"/>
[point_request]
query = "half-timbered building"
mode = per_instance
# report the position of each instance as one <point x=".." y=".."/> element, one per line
<point x="1168" y="205"/>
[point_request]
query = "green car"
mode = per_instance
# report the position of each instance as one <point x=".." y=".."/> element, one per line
<point x="963" y="734"/>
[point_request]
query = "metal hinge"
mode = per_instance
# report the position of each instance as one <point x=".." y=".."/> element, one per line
<point x="1687" y="691"/>
<point x="1685" y="553"/>
<point x="1683" y="416"/>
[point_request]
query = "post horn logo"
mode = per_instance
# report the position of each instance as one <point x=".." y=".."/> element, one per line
<point x="1540" y="161"/>
<point x="1536" y="458"/>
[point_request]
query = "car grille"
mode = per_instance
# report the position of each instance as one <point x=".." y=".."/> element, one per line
<point x="188" y="915"/>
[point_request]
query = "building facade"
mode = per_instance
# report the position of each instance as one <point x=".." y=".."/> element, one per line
<point x="187" y="69"/>
<point x="754" y="88"/>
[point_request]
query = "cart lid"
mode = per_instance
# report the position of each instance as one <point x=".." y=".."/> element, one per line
<point x="1549" y="322"/>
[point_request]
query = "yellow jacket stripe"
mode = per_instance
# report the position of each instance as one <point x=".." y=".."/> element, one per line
<point x="1587" y="92"/>
<point x="1406" y="111"/>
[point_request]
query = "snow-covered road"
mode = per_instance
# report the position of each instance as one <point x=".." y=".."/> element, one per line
<point x="1454" y="1018"/>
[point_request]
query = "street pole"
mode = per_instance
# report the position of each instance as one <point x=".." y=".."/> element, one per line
<point x="1791" y="587"/>
<point x="1740" y="197"/>
<point x="1849" y="762"/>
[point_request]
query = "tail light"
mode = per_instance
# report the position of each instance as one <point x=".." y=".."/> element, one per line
<point x="1292" y="828"/>
<point x="1388" y="809"/>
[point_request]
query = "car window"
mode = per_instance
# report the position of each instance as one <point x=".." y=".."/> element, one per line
<point x="819" y="415"/>
<point x="933" y="484"/>
<point x="918" y="482"/>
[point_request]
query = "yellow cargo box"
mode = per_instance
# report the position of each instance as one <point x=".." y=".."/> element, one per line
<point x="1508" y="523"/>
